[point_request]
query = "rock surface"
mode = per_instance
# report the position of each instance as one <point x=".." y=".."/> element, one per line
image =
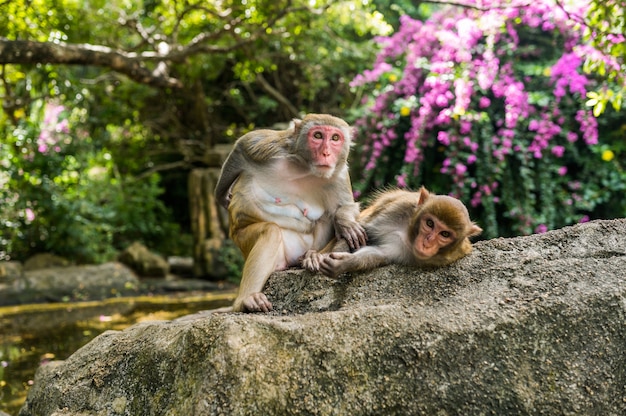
<point x="524" y="326"/>
<point x="10" y="272"/>
<point x="45" y="261"/>
<point x="143" y="261"/>
<point x="55" y="284"/>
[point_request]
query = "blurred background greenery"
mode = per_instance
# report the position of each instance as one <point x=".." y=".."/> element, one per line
<point x="108" y="105"/>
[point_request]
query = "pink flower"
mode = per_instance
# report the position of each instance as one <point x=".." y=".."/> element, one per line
<point x="565" y="74"/>
<point x="558" y="151"/>
<point x="443" y="138"/>
<point x="63" y="127"/>
<point x="30" y="215"/>
<point x="466" y="127"/>
<point x="401" y="180"/>
<point x="484" y="102"/>
<point x="460" y="168"/>
<point x="562" y="171"/>
<point x="571" y="136"/>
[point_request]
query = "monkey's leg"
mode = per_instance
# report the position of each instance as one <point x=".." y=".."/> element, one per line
<point x="263" y="248"/>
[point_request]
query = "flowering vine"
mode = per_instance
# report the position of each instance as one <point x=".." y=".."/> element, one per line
<point x="488" y="106"/>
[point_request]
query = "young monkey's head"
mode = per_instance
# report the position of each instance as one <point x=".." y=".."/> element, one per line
<point x="441" y="225"/>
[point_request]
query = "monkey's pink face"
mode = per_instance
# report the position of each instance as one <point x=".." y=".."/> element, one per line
<point x="325" y="144"/>
<point x="433" y="235"/>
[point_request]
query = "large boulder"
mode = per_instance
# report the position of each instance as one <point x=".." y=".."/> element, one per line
<point x="45" y="261"/>
<point x="10" y="272"/>
<point x="143" y="261"/>
<point x="532" y="325"/>
<point x="57" y="284"/>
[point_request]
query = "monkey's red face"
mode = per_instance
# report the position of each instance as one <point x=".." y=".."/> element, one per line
<point x="326" y="144"/>
<point x="433" y="235"/>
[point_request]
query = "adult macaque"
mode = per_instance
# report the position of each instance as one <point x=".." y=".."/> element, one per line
<point x="287" y="192"/>
<point x="410" y="228"/>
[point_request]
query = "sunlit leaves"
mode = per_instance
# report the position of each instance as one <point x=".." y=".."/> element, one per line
<point x="606" y="30"/>
<point x="600" y="99"/>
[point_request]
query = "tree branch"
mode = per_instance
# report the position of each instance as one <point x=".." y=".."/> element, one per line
<point x="160" y="168"/>
<point x="129" y="64"/>
<point x="478" y="6"/>
<point x="132" y="64"/>
<point x="277" y="95"/>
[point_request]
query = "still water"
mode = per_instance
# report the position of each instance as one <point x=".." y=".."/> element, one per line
<point x="31" y="335"/>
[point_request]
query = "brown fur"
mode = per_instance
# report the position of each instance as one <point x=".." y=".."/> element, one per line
<point x="281" y="203"/>
<point x="392" y="223"/>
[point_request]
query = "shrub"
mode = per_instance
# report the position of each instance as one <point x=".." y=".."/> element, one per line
<point x="489" y="106"/>
<point x="61" y="194"/>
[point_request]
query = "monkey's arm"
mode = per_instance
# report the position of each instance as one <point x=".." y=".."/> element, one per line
<point x="347" y="227"/>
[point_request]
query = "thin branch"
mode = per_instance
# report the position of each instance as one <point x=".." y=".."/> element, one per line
<point x="582" y="21"/>
<point x="478" y="6"/>
<point x="277" y="95"/>
<point x="161" y="168"/>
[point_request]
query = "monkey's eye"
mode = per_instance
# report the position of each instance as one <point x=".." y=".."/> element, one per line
<point x="335" y="138"/>
<point x="446" y="234"/>
<point x="318" y="135"/>
<point x="430" y="223"/>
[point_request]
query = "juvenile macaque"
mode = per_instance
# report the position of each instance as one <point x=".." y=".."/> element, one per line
<point x="287" y="192"/>
<point x="410" y="228"/>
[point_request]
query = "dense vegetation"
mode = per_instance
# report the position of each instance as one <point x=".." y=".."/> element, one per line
<point x="514" y="109"/>
<point x="492" y="106"/>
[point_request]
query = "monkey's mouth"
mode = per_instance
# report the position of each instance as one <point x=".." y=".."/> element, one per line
<point x="422" y="252"/>
<point x="324" y="167"/>
<point x="323" y="171"/>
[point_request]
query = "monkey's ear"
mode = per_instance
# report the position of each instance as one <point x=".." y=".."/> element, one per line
<point x="474" y="230"/>
<point x="424" y="194"/>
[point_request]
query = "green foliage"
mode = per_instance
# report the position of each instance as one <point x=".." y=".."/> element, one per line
<point x="87" y="199"/>
<point x="605" y="28"/>
<point x="232" y="259"/>
<point x="60" y="195"/>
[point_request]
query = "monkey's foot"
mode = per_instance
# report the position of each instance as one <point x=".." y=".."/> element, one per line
<point x="311" y="260"/>
<point x="256" y="302"/>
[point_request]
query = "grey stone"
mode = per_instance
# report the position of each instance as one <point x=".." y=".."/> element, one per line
<point x="524" y="326"/>
<point x="70" y="283"/>
<point x="143" y="261"/>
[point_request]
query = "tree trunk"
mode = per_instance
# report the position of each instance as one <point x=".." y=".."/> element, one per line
<point x="209" y="222"/>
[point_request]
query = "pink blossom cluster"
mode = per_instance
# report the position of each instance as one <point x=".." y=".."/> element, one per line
<point x="588" y="126"/>
<point x="53" y="130"/>
<point x="545" y="130"/>
<point x="461" y="70"/>
<point x="565" y="76"/>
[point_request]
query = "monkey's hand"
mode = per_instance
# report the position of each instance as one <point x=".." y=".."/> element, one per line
<point x="311" y="260"/>
<point x="352" y="232"/>
<point x="334" y="264"/>
<point x="254" y="302"/>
